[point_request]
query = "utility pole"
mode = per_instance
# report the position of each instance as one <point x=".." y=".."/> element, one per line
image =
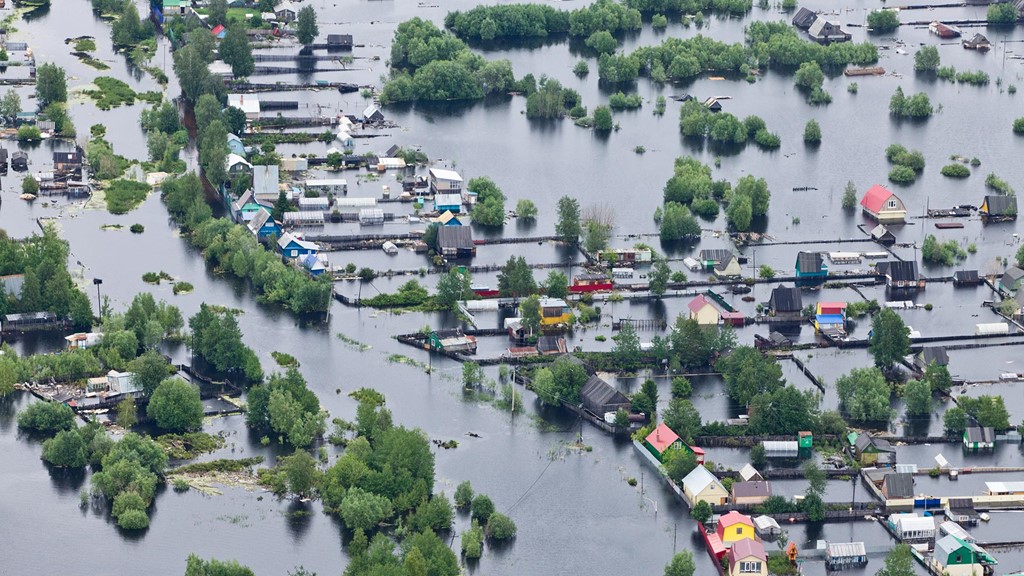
<point x="99" y="301"/>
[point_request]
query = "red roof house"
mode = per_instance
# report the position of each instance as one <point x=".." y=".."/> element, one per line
<point x="704" y="310"/>
<point x="831" y="308"/>
<point x="661" y="439"/>
<point x="733" y="527"/>
<point x="883" y="205"/>
<point x="219" y="31"/>
<point x="748" y="557"/>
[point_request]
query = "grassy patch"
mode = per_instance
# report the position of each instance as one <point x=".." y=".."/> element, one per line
<point x="125" y="195"/>
<point x="182" y="288"/>
<point x="111" y="93"/>
<point x="188" y="446"/>
<point x="222" y="465"/>
<point x="354" y="343"/>
<point x="85" y="44"/>
<point x="400" y="359"/>
<point x="285" y="360"/>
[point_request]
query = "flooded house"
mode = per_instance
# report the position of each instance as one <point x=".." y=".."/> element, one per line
<point x="898" y="485"/>
<point x="753" y="492"/>
<point x="872" y="451"/>
<point x="661" y="440"/>
<point x="700" y="485"/>
<point x="292" y="247"/>
<point x="455" y="242"/>
<point x="998" y="208"/>
<point x="601" y="398"/>
<point x="722" y="261"/>
<point x="553" y="311"/>
<point x="244" y="208"/>
<point x="747" y="557"/>
<point x="931" y="355"/>
<point x="966" y="278"/>
<point x="911" y="527"/>
<point x="448" y="203"/>
<point x="804" y="18"/>
<point x="448" y="219"/>
<point x="266" y="183"/>
<point x="452" y="341"/>
<point x="713" y="104"/>
<point x="734" y="527"/>
<point x="28" y="321"/>
<point x="172" y="8"/>
<point x="767" y="528"/>
<point x="65" y="163"/>
<point x="294" y="164"/>
<point x="824" y="31"/>
<point x="262" y="225"/>
<point x="372" y="115"/>
<point x="977" y="42"/>
<point x="19" y="160"/>
<point x="443" y="181"/>
<point x="551" y="345"/>
<point x="327" y="186"/>
<point x="235" y="145"/>
<point x="247" y="103"/>
<point x="979" y="437"/>
<point x="882" y="205"/>
<point x="704" y="310"/>
<point x="900" y="274"/>
<point x="339" y="41"/>
<point x="961" y="511"/>
<point x="286" y="12"/>
<point x="785" y="304"/>
<point x="956" y="557"/>
<point x="883" y="235"/>
<point x="1011" y="280"/>
<point x="750" y="474"/>
<point x="811" y="265"/>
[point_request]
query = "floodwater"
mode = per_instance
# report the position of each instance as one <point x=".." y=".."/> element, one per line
<point x="575" y="511"/>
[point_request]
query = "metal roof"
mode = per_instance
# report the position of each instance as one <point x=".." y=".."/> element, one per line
<point x="1003" y="487"/>
<point x="699" y="479"/>
<point x="845" y="549"/>
<point x="443" y="174"/>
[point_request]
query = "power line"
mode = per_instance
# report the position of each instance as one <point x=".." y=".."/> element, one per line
<point x="541" y="475"/>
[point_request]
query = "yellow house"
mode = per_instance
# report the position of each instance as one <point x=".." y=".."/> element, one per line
<point x="734" y="527"/>
<point x="704" y="311"/>
<point x="554" y="311"/>
<point x="700" y="485"/>
<point x="747" y="557"/>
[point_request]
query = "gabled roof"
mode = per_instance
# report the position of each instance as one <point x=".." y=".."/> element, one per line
<point x="458" y="237"/>
<point x="898" y="484"/>
<point x="786" y="299"/>
<point x="447" y="217"/>
<point x="733" y="518"/>
<point x="287" y="239"/>
<point x="875" y="198"/>
<point x="715" y="255"/>
<point x="845" y="550"/>
<point x="371" y="110"/>
<point x="980" y="434"/>
<point x="947" y="546"/>
<point x="699" y="479"/>
<point x="245" y="198"/>
<point x="810" y="262"/>
<point x="1013" y="273"/>
<point x="748" y="473"/>
<point x="999" y="205"/>
<point x="746" y="548"/>
<point x="866" y="440"/>
<point x="752" y="489"/>
<point x="661" y="437"/>
<point x="804" y="18"/>
<point x="236" y="159"/>
<point x="965" y="276"/>
<point x="699" y="303"/>
<point x="879" y="232"/>
<point x="902" y="271"/>
<point x="260" y="219"/>
<point x="964" y="505"/>
<point x="936" y="354"/>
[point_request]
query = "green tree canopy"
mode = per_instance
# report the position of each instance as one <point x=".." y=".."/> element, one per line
<point x="175" y="406"/>
<point x="890" y="339"/>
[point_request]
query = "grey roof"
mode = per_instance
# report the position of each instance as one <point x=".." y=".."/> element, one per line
<point x="804" y="18"/>
<point x="902" y="271"/>
<point x="715" y="255"/>
<point x="823" y="29"/>
<point x="961" y="505"/>
<point x="809" y="262"/>
<point x="550" y="344"/>
<point x="936" y="354"/>
<point x="980" y="434"/>
<point x="258" y="220"/>
<point x="596" y="394"/>
<point x="699" y="479"/>
<point x="999" y="205"/>
<point x="457" y="237"/>
<point x="945" y="546"/>
<point x="966" y="276"/>
<point x="1013" y="274"/>
<point x="751" y="489"/>
<point x="786" y="299"/>
<point x="880" y="231"/>
<point x="265" y="180"/>
<point x="866" y="440"/>
<point x="899" y="485"/>
<point x="12" y="283"/>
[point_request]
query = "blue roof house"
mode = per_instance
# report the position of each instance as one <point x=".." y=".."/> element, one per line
<point x="449" y="202"/>
<point x="235" y="145"/>
<point x="313" y="264"/>
<point x="292" y="247"/>
<point x="263" y="225"/>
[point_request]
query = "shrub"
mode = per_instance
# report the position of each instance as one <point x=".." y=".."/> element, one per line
<point x="812" y="132"/>
<point x="133" y="520"/>
<point x="66" y="450"/>
<point x="902" y="175"/>
<point x="1002" y="14"/>
<point x="500" y="527"/>
<point x="1018" y="126"/>
<point x="820" y="96"/>
<point x="137" y="228"/>
<point x="852" y="88"/>
<point x="29" y="133"/>
<point x="47" y="417"/>
<point x="124" y="195"/>
<point x="766" y="139"/>
<point x="482" y="508"/>
<point x="182" y="288"/>
<point x="581" y="68"/>
<point x="622" y="101"/>
<point x="956" y="170"/>
<point x="463" y="494"/>
<point x="883" y="20"/>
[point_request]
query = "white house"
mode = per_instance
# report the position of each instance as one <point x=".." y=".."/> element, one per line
<point x="444" y="181"/>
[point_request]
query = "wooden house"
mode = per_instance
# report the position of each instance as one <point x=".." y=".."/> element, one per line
<point x="448" y="203"/>
<point x="372" y="115"/>
<point x="748" y="558"/>
<point x="455" y="242"/>
<point x="734" y="527"/>
<point x="900" y="274"/>
<point x="700" y="485"/>
<point x="979" y="437"/>
<point x="883" y="236"/>
<point x="977" y="42"/>
<point x="600" y="398"/>
<point x="1010" y="281"/>
<point x="898" y="485"/>
<point x="956" y="557"/>
<point x="65" y="163"/>
<point x="871" y="451"/>
<point x="448" y="219"/>
<point x="931" y="355"/>
<point x="263" y="225"/>
<point x="704" y="311"/>
<point x="554" y="311"/>
<point x="237" y="165"/>
<point x="444" y="181"/>
<point x="286" y="12"/>
<point x="551" y="345"/>
<point x="661" y="440"/>
<point x="713" y="104"/>
<point x="998" y="208"/>
<point x="292" y="247"/>
<point x="235" y="145"/>
<point x="843" y="555"/>
<point x="961" y="511"/>
<point x="19" y="160"/>
<point x="811" y="265"/>
<point x="826" y="32"/>
<point x="339" y="41"/>
<point x="753" y="492"/>
<point x="830" y="308"/>
<point x="452" y="341"/>
<point x="882" y="205"/>
<point x="750" y="474"/>
<point x="785" y="304"/>
<point x="804" y="18"/>
<point x="966" y="278"/>
<point x="247" y="103"/>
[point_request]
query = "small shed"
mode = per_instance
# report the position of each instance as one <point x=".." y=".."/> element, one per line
<point x="810" y="265"/>
<point x="804" y="18"/>
<point x="979" y="437"/>
<point x="750" y="474"/>
<point x="713" y="104"/>
<point x="961" y="511"/>
<point x="966" y="278"/>
<point x="372" y="114"/>
<point x="872" y="451"/>
<point x="931" y="355"/>
<point x="389" y="248"/>
<point x="339" y="41"/>
<point x="455" y="242"/>
<point x="767" y="528"/>
<point x="842" y="555"/>
<point x="371" y="217"/>
<point x="998" y="207"/>
<point x="883" y="236"/>
<point x="19" y="160"/>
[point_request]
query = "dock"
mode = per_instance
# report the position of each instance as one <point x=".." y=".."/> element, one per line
<point x="255" y="87"/>
<point x="869" y="71"/>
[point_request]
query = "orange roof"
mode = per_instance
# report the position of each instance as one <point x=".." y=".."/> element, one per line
<point x="734" y="517"/>
<point x="661" y="438"/>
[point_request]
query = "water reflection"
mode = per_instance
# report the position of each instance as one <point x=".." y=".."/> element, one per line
<point x="66" y="480"/>
<point x="299" y="516"/>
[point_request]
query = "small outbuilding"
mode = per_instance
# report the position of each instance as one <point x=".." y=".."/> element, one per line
<point x="826" y="32"/>
<point x="804" y="18"/>
<point x="898" y="485"/>
<point x="966" y="278"/>
<point x="455" y="242"/>
<point x="883" y="236"/>
<point x="961" y="511"/>
<point x="931" y="355"/>
<point x="843" y="555"/>
<point x="979" y="437"/>
<point x="600" y="398"/>
<point x="811" y="265"/>
<point x="998" y="208"/>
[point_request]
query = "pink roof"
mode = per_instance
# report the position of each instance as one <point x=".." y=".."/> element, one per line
<point x="217" y="29"/>
<point x="734" y="517"/>
<point x="661" y="438"/>
<point x="875" y="198"/>
<point x="717" y="548"/>
<point x="696" y="450"/>
<point x="745" y="549"/>
<point x="840" y="305"/>
<point x="699" y="302"/>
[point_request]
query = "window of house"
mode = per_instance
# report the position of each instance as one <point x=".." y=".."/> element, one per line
<point x="739" y="530"/>
<point x="892" y="203"/>
<point x="295" y="253"/>
<point x="750" y="567"/>
<point x="957" y="558"/>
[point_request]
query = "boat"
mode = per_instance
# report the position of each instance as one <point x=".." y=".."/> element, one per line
<point x="984" y="516"/>
<point x="948" y="225"/>
<point x="27" y="196"/>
